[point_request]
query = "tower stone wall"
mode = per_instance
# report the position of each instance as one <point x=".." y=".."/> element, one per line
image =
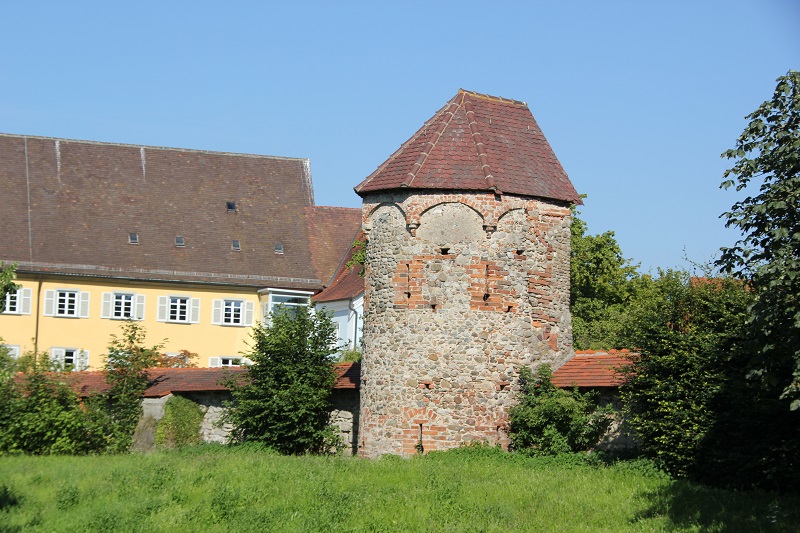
<point x="462" y="289"/>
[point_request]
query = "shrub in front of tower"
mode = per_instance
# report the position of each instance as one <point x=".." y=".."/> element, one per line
<point x="550" y="421"/>
<point x="285" y="401"/>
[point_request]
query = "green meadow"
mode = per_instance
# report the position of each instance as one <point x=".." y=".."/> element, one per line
<point x="216" y="488"/>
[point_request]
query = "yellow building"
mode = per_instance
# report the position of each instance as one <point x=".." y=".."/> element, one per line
<point x="197" y="246"/>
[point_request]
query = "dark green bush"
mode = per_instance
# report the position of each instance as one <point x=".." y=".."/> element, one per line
<point x="180" y="425"/>
<point x="550" y="421"/>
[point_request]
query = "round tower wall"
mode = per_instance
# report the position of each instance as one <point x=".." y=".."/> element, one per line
<point x="462" y="289"/>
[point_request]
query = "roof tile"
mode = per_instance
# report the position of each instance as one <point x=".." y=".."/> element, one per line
<point x="593" y="369"/>
<point x="476" y="142"/>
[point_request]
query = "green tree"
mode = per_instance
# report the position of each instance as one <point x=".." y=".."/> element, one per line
<point x="285" y="402"/>
<point x="767" y="153"/>
<point x="687" y="396"/>
<point x="549" y="420"/>
<point x="7" y="276"/>
<point x="41" y="414"/>
<point x="126" y="373"/>
<point x="602" y="282"/>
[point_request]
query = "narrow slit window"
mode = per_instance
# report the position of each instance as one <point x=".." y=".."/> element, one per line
<point x="180" y="242"/>
<point x="133" y="238"/>
<point x="236" y="246"/>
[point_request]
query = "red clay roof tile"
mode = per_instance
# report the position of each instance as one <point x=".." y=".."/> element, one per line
<point x="347" y="283"/>
<point x="476" y="142"/>
<point x="592" y="369"/>
<point x="331" y="231"/>
<point x="164" y="381"/>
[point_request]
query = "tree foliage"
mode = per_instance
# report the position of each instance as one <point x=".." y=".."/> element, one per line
<point x="285" y="403"/>
<point x="602" y="282"/>
<point x="126" y="364"/>
<point x="41" y="414"/>
<point x="7" y="276"/>
<point x="768" y="254"/>
<point x="549" y="420"/>
<point x="687" y="396"/>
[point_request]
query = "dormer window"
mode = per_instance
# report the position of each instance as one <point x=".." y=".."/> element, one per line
<point x="180" y="242"/>
<point x="236" y="246"/>
<point x="278" y="248"/>
<point x="231" y="207"/>
<point x="133" y="238"/>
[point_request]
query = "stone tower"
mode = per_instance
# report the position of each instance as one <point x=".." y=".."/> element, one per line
<point x="467" y="276"/>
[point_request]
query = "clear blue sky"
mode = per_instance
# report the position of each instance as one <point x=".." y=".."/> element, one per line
<point x="638" y="99"/>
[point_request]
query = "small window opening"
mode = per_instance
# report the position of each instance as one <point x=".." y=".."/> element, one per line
<point x="231" y="207"/>
<point x="278" y="248"/>
<point x="445" y="251"/>
<point x="133" y="238"/>
<point x="486" y="297"/>
<point x="520" y="251"/>
<point x="408" y="295"/>
<point x="236" y="246"/>
<point x="179" y="241"/>
<point x="433" y="306"/>
<point x="509" y="308"/>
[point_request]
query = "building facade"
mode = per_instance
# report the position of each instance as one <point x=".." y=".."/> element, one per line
<point x="196" y="246"/>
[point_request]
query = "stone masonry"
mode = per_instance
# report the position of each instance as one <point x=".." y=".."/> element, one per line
<point x="462" y="289"/>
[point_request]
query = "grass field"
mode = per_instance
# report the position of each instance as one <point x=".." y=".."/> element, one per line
<point x="213" y="488"/>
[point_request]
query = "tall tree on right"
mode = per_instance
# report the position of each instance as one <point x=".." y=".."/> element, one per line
<point x="768" y="253"/>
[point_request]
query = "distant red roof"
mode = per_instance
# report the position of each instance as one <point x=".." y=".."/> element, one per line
<point x="164" y="381"/>
<point x="331" y="231"/>
<point x="347" y="283"/>
<point x="593" y="369"/>
<point x="480" y="143"/>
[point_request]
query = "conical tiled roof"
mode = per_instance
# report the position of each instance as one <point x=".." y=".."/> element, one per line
<point x="480" y="143"/>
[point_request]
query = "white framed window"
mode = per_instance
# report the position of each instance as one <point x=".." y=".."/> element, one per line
<point x="69" y="358"/>
<point x="285" y="301"/>
<point x="179" y="309"/>
<point x="66" y="303"/>
<point x="232" y="312"/>
<point x="122" y="306"/>
<point x="18" y="302"/>
<point x="225" y="361"/>
<point x="14" y="350"/>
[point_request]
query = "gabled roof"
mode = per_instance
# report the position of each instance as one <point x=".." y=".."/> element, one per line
<point x="69" y="207"/>
<point x="165" y="381"/>
<point x="479" y="143"/>
<point x="331" y="231"/>
<point x="347" y="283"/>
<point x="593" y="369"/>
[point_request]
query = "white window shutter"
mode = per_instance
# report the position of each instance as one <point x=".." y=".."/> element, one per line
<point x="265" y="311"/>
<point x="83" y="311"/>
<point x="50" y="303"/>
<point x="214" y="362"/>
<point x="138" y="312"/>
<point x="216" y="312"/>
<point x="194" y="316"/>
<point x="83" y="360"/>
<point x="249" y="311"/>
<point x="57" y="356"/>
<point x="24" y="301"/>
<point x="105" y="308"/>
<point x="163" y="308"/>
